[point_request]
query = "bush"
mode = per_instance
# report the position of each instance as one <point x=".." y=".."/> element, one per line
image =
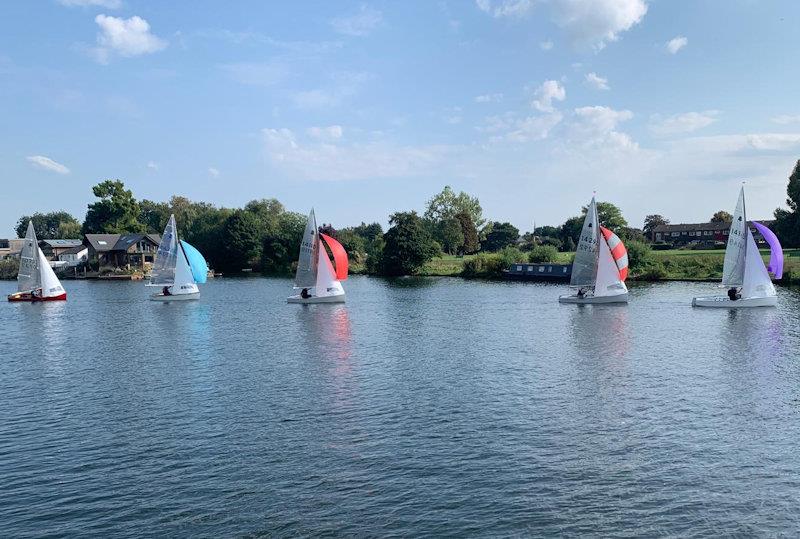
<point x="639" y="256"/>
<point x="543" y="254"/>
<point x="9" y="267"/>
<point x="661" y="246"/>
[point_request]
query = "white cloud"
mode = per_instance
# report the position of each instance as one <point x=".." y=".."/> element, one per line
<point x="504" y="8"/>
<point x="45" y="163"/>
<point x="361" y="24"/>
<point x="108" y="4"/>
<point x="315" y="160"/>
<point x="546" y="45"/>
<point x="686" y="122"/>
<point x="331" y="132"/>
<point x="597" y="127"/>
<point x="597" y="81"/>
<point x="152" y="165"/>
<point x="594" y="23"/>
<point x="343" y="84"/>
<point x="675" y="44"/>
<point x="785" y="119"/>
<point x="534" y="127"/>
<point x="489" y="98"/>
<point x="213" y="172"/>
<point x="126" y="37"/>
<point x="255" y="73"/>
<point x="549" y="90"/>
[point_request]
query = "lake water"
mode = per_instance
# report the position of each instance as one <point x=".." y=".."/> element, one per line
<point x="420" y="407"/>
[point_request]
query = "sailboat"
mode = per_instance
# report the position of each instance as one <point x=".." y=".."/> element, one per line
<point x="743" y="272"/>
<point x="36" y="280"/>
<point x="178" y="267"/>
<point x="601" y="264"/>
<point x="316" y="276"/>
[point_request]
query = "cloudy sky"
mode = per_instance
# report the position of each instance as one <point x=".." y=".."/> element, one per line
<point x="365" y="108"/>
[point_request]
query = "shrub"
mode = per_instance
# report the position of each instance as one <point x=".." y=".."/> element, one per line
<point x="661" y="246"/>
<point x="543" y="254"/>
<point x="9" y="267"/>
<point x="638" y="256"/>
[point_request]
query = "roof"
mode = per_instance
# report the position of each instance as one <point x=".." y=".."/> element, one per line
<point x="74" y="250"/>
<point x="61" y="243"/>
<point x="102" y="242"/>
<point x="126" y="240"/>
<point x="701" y="226"/>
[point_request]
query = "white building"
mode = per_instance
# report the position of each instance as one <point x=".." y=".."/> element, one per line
<point x="75" y="256"/>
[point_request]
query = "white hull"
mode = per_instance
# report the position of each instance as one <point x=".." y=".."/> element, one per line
<point x="724" y="302"/>
<point x="338" y="298"/>
<point x="594" y="300"/>
<point x="175" y="297"/>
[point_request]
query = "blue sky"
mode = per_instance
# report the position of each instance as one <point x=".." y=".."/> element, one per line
<point x="365" y="108"/>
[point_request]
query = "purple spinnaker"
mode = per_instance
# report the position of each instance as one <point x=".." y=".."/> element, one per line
<point x="776" y="251"/>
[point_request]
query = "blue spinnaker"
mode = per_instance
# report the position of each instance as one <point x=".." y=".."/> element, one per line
<point x="196" y="262"/>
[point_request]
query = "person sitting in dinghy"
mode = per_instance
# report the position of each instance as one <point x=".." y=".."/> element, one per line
<point x="733" y="294"/>
<point x="165" y="291"/>
<point x="304" y="294"/>
<point x="581" y="293"/>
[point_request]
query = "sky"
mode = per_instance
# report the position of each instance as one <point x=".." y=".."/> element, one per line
<point x="361" y="109"/>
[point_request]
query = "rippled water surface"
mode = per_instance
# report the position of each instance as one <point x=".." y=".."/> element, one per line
<point x="422" y="406"/>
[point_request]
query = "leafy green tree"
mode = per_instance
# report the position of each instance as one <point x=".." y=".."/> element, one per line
<point x="154" y="215"/>
<point x="116" y="212"/>
<point x="50" y="226"/>
<point x="571" y="231"/>
<point x="207" y="233"/>
<point x="450" y="236"/>
<point x="787" y="222"/>
<point x="501" y="235"/>
<point x="653" y="221"/>
<point x="408" y="245"/>
<point x="242" y="241"/>
<point x="281" y="243"/>
<point x="546" y="231"/>
<point x="469" y="231"/>
<point x="446" y="204"/>
<point x="721" y="217"/>
<point x="609" y="215"/>
<point x="543" y="254"/>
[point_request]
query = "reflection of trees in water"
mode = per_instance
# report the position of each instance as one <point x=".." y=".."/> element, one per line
<point x="600" y="331"/>
<point x="410" y="282"/>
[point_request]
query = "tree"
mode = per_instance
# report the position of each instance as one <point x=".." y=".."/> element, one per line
<point x="502" y="234"/>
<point x="609" y="216"/>
<point x="546" y="231"/>
<point x="446" y="204"/>
<point x="470" y="233"/>
<point x="242" y="241"/>
<point x="282" y="242"/>
<point x="117" y="212"/>
<point x="408" y="245"/>
<point x="722" y="217"/>
<point x="543" y="254"/>
<point x="787" y="222"/>
<point x="571" y="231"/>
<point x="450" y="235"/>
<point x="154" y="216"/>
<point x="653" y="221"/>
<point x="50" y="226"/>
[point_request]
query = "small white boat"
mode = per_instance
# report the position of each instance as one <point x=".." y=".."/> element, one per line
<point x="36" y="280"/>
<point x="316" y="277"/>
<point x="743" y="273"/>
<point x="178" y="268"/>
<point x="600" y="266"/>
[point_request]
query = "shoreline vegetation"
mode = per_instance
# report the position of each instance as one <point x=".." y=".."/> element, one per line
<point x="451" y="238"/>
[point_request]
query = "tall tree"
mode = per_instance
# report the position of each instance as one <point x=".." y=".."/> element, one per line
<point x="450" y="235"/>
<point x="470" y="232"/>
<point x="242" y="241"/>
<point x="116" y="212"/>
<point x="154" y="215"/>
<point x="787" y="222"/>
<point x="501" y="235"/>
<point x="50" y="226"/>
<point x="651" y="222"/>
<point x="281" y="243"/>
<point x="721" y="217"/>
<point x="408" y="245"/>
<point x="446" y="204"/>
<point x="609" y="215"/>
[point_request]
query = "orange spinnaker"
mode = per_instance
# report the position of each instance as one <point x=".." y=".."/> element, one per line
<point x="339" y="256"/>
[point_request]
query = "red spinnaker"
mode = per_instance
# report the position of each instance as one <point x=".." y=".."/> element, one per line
<point x="339" y="256"/>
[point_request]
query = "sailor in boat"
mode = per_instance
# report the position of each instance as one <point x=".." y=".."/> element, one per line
<point x="733" y="293"/>
<point x="581" y="293"/>
<point x="165" y="291"/>
<point x="304" y="294"/>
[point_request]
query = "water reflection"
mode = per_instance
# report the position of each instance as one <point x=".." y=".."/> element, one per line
<point x="600" y="331"/>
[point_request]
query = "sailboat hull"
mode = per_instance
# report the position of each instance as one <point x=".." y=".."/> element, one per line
<point x="339" y="298"/>
<point x="724" y="302"/>
<point x="175" y="297"/>
<point x="27" y="296"/>
<point x="594" y="300"/>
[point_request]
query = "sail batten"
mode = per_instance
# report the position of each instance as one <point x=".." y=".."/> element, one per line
<point x="307" y="262"/>
<point x="584" y="267"/>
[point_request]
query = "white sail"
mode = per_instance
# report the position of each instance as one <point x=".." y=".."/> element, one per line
<point x="608" y="282"/>
<point x="29" y="277"/>
<point x="51" y="286"/>
<point x="163" y="272"/>
<point x="184" y="280"/>
<point x="326" y="283"/>
<point x="756" y="282"/>
<point x="733" y="268"/>
<point x="584" y="267"/>
<point x="306" y="276"/>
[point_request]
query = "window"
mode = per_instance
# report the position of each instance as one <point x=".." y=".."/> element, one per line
<point x="530" y="268"/>
<point x="658" y="236"/>
<point x="519" y="268"/>
<point x="676" y="234"/>
<point x="541" y="269"/>
<point x="101" y="242"/>
<point x="724" y="232"/>
<point x="691" y="232"/>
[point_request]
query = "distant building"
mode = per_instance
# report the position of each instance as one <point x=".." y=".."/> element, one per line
<point x="74" y="256"/>
<point x="699" y="233"/>
<point x="53" y="248"/>
<point x="122" y="250"/>
<point x="11" y="247"/>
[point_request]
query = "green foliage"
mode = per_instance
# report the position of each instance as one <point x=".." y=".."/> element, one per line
<point x="652" y="221"/>
<point x="787" y="222"/>
<point x="117" y="212"/>
<point x="609" y="216"/>
<point x="450" y="235"/>
<point x="9" y="267"/>
<point x="446" y="204"/>
<point x="50" y="226"/>
<point x="243" y="245"/>
<point x="484" y="265"/>
<point x="470" y="233"/>
<point x="570" y="232"/>
<point x="543" y="254"/>
<point x="546" y="231"/>
<point x="639" y="256"/>
<point x="281" y="243"/>
<point x="154" y="215"/>
<point x="408" y="245"/>
<point x="500" y="236"/>
<point x="721" y="217"/>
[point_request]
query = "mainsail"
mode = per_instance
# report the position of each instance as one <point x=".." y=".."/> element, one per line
<point x="584" y="267"/>
<point x="29" y="277"/>
<point x="163" y="272"/>
<point x="306" y="276"/>
<point x="733" y="268"/>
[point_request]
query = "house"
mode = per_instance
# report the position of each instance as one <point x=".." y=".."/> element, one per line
<point x="699" y="233"/>
<point x="11" y="247"/>
<point x="53" y="248"/>
<point x="122" y="250"/>
<point x="75" y="256"/>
